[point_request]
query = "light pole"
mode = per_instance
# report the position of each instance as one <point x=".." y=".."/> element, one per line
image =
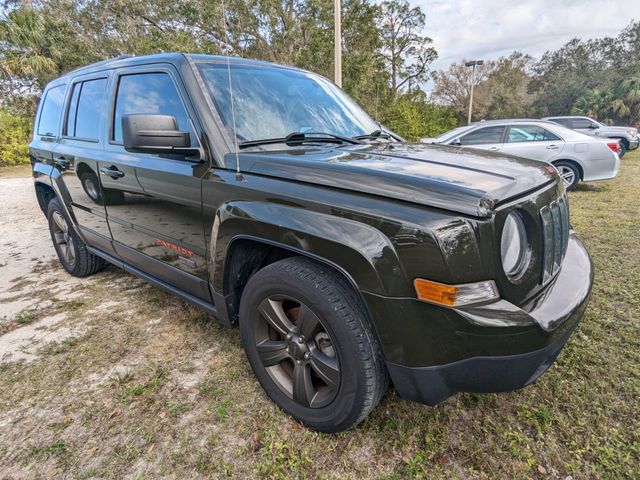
<point x="337" y="76"/>
<point x="473" y="64"/>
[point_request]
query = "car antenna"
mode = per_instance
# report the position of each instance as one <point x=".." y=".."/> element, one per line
<point x="233" y="111"/>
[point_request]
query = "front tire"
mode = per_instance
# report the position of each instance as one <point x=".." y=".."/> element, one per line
<point x="310" y="344"/>
<point x="623" y="148"/>
<point x="569" y="173"/>
<point x="71" y="249"/>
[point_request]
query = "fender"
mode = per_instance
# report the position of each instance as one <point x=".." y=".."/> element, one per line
<point x="364" y="253"/>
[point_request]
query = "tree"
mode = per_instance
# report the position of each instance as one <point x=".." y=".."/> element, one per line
<point x="452" y="87"/>
<point x="506" y="89"/>
<point x="406" y="51"/>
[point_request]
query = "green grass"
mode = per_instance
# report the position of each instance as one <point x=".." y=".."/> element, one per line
<point x="186" y="404"/>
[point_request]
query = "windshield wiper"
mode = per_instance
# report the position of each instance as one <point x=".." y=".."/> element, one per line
<point x="373" y="135"/>
<point x="298" y="138"/>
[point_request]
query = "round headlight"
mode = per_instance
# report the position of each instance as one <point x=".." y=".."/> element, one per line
<point x="513" y="245"/>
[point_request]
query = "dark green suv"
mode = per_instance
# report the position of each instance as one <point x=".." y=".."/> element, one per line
<point x="347" y="257"/>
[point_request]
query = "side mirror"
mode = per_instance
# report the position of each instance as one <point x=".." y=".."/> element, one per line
<point x="592" y="126"/>
<point x="154" y="133"/>
<point x="456" y="141"/>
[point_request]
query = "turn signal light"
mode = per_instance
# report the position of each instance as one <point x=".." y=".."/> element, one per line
<point x="455" y="295"/>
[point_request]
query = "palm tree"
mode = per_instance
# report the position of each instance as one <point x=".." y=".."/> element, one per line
<point x="27" y="51"/>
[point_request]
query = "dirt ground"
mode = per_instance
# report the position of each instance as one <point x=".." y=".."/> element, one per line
<point x="109" y="377"/>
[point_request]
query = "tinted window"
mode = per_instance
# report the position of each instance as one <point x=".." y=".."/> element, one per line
<point x="566" y="122"/>
<point x="87" y="102"/>
<point x="529" y="133"/>
<point x="51" y="109"/>
<point x="582" y="123"/>
<point x="148" y="93"/>
<point x="483" y="136"/>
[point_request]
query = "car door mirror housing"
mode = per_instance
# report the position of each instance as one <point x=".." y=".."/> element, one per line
<point x="154" y="133"/>
<point x="456" y="141"/>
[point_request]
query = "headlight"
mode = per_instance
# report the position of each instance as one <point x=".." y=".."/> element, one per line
<point x="513" y="246"/>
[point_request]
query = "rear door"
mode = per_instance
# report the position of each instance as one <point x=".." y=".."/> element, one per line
<point x="485" y="138"/>
<point x="532" y="141"/>
<point x="157" y="221"/>
<point x="77" y="155"/>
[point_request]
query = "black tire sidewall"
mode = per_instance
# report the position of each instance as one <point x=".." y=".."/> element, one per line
<point x="345" y="409"/>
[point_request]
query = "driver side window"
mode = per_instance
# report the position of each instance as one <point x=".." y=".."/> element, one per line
<point x="483" y="136"/>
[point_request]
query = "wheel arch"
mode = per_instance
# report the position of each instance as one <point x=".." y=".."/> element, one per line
<point x="44" y="194"/>
<point x="247" y="236"/>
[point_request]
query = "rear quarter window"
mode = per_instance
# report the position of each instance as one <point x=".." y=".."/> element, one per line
<point x="49" y="121"/>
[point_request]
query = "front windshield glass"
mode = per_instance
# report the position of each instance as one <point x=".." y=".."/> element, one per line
<point x="272" y="102"/>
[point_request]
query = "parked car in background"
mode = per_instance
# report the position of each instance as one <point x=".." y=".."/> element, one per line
<point x="576" y="156"/>
<point x="628" y="136"/>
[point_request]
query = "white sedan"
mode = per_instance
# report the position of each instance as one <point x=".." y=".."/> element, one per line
<point x="578" y="157"/>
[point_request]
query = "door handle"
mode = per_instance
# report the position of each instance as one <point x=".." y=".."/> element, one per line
<point x="494" y="149"/>
<point x="552" y="147"/>
<point x="112" y="172"/>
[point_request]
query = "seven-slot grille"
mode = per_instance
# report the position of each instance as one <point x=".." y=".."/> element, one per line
<point x="555" y="236"/>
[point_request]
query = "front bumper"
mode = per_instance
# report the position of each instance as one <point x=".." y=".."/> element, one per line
<point x="488" y="348"/>
<point x="633" y="144"/>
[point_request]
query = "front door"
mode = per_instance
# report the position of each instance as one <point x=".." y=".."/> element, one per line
<point x="485" y="138"/>
<point x="155" y="206"/>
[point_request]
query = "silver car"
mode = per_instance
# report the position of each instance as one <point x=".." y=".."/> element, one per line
<point x="628" y="136"/>
<point x="576" y="156"/>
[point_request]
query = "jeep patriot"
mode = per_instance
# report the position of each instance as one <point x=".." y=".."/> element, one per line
<point x="347" y="257"/>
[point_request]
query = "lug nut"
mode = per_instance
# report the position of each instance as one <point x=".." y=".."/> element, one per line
<point x="301" y="339"/>
<point x="299" y="362"/>
<point x="306" y="356"/>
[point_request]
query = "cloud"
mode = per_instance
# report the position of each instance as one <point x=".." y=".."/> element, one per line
<point x="488" y="29"/>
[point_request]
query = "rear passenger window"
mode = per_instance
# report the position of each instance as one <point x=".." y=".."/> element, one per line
<point x="49" y="121"/>
<point x="566" y="122"/>
<point x="147" y="93"/>
<point x="88" y="101"/>
<point x="530" y="133"/>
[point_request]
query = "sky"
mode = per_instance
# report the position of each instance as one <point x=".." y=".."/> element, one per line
<point x="488" y="29"/>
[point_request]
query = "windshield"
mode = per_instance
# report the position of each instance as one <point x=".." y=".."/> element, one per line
<point x="272" y="102"/>
<point x="451" y="134"/>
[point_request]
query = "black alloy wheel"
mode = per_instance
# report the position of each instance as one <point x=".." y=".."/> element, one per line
<point x="297" y="351"/>
<point x="63" y="240"/>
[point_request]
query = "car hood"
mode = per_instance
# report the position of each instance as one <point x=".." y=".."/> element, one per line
<point x="467" y="181"/>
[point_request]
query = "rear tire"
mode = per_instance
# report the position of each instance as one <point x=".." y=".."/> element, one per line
<point x="569" y="173"/>
<point x="71" y="249"/>
<point x="317" y="356"/>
